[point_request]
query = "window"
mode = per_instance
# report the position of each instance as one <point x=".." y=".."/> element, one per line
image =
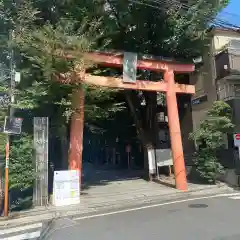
<point x="222" y="92"/>
<point x="237" y="90"/>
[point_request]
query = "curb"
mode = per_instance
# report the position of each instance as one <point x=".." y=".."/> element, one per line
<point x="144" y="200"/>
<point x="46" y="230"/>
<point x="53" y="214"/>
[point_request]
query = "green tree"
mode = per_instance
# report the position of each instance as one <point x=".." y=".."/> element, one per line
<point x="21" y="172"/>
<point x="41" y="29"/>
<point x="36" y="38"/>
<point x="209" y="138"/>
<point x="171" y="29"/>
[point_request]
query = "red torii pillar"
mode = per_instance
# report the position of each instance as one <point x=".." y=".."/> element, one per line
<point x="175" y="132"/>
<point x="168" y="85"/>
<point x="76" y="134"/>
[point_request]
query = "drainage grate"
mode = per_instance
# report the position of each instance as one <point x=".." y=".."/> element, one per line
<point x="198" y="205"/>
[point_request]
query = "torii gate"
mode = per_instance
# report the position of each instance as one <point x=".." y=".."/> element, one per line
<point x="168" y="85"/>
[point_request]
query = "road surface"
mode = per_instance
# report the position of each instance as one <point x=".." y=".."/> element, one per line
<point x="216" y="218"/>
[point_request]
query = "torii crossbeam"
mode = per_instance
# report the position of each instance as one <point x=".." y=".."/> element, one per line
<point x="168" y="85"/>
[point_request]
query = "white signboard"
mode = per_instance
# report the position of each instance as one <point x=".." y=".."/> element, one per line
<point x="236" y="138"/>
<point x="159" y="157"/>
<point x="164" y="157"/>
<point x="13" y="125"/>
<point x="151" y="161"/>
<point x="66" y="188"/>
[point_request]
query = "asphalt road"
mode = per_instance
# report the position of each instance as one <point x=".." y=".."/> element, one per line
<point x="204" y="219"/>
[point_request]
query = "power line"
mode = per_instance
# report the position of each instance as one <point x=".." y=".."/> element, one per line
<point x="230" y="14"/>
<point x="155" y="4"/>
<point x="145" y="4"/>
<point x="217" y="20"/>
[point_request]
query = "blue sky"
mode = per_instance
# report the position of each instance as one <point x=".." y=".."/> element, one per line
<point x="232" y="12"/>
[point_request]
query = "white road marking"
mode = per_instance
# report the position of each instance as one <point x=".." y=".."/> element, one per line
<point x="24" y="236"/>
<point x="229" y="194"/>
<point x="18" y="229"/>
<point x="235" y="198"/>
<point x="154" y="205"/>
<point x="70" y="220"/>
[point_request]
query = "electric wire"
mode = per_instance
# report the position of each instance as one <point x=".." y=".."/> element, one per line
<point x="183" y="6"/>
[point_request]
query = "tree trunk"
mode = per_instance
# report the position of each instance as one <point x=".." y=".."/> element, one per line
<point x="145" y="120"/>
<point x="64" y="147"/>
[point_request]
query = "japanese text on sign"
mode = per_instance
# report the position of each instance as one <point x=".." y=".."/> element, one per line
<point x="66" y="187"/>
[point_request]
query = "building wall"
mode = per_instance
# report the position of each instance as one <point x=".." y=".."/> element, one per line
<point x="205" y="78"/>
<point x="186" y="127"/>
<point x="205" y="85"/>
<point x="221" y="38"/>
<point x="235" y="105"/>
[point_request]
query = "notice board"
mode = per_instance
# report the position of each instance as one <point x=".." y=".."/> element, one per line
<point x="66" y="188"/>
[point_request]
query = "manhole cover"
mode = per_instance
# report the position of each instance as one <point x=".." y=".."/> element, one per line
<point x="198" y="205"/>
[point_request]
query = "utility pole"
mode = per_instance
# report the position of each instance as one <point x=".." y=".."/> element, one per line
<point x="11" y="113"/>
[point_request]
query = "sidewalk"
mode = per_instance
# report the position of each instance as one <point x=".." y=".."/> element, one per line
<point x="113" y="195"/>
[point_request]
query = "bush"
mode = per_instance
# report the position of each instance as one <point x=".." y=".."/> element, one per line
<point x="207" y="165"/>
<point x="210" y="138"/>
<point x="21" y="170"/>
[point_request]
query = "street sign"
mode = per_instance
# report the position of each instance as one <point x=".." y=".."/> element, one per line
<point x="236" y="138"/>
<point x="129" y="67"/>
<point x="199" y="100"/>
<point x="128" y="148"/>
<point x="12" y="125"/>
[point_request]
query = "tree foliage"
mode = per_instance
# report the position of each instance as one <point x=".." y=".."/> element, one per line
<point x="169" y="29"/>
<point x="41" y="38"/>
<point x="210" y="138"/>
<point x="21" y="172"/>
<point x="173" y="29"/>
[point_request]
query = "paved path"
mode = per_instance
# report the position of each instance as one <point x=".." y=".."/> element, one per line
<point x="202" y="218"/>
<point x="104" y="187"/>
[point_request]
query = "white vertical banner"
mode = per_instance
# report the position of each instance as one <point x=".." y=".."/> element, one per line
<point x="151" y="161"/>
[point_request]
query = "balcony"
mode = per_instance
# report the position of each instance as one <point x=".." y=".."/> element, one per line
<point x="227" y="62"/>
